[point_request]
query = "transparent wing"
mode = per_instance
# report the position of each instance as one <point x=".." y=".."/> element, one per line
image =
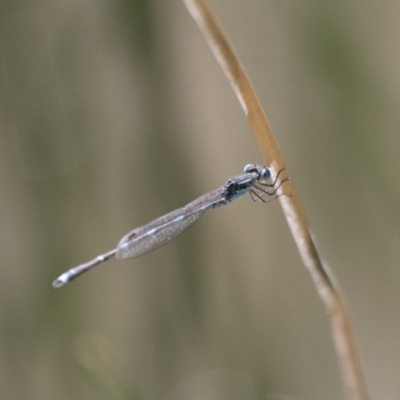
<point x="166" y="228"/>
<point x="157" y="233"/>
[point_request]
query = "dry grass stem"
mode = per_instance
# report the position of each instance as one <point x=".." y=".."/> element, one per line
<point x="325" y="283"/>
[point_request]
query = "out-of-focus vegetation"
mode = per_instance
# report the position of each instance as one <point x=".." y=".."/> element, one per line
<point x="114" y="113"/>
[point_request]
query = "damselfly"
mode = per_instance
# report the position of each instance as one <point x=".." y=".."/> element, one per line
<point x="166" y="228"/>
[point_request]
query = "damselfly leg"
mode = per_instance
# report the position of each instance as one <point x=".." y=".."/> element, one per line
<point x="264" y="190"/>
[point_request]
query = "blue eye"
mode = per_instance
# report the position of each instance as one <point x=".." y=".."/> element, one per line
<point x="265" y="173"/>
<point x="249" y="168"/>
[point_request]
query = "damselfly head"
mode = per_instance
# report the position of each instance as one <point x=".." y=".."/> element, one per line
<point x="262" y="172"/>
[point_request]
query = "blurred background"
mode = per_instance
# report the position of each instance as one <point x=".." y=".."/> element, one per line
<point x="114" y="113"/>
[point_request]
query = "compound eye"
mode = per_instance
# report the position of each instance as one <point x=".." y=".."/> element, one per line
<point x="249" y="168"/>
<point x="265" y="174"/>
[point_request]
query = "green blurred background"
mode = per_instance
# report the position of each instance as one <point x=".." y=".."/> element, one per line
<point x="114" y="113"/>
